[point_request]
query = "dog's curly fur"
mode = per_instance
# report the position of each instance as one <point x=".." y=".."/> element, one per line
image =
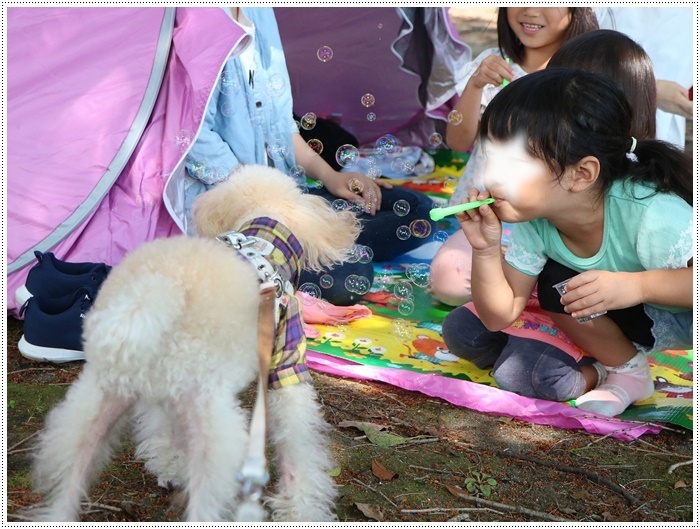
<point x="171" y="341"/>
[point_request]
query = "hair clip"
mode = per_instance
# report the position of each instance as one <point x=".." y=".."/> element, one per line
<point x="630" y="154"/>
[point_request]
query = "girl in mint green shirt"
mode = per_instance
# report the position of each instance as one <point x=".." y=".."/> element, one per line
<point x="591" y="205"/>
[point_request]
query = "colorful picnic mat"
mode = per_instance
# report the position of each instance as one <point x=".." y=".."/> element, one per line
<point x="401" y="344"/>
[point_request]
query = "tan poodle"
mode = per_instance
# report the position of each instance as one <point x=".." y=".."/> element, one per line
<point x="170" y="342"/>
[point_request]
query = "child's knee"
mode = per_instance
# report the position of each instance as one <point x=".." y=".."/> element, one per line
<point x="450" y="276"/>
<point x="466" y="337"/>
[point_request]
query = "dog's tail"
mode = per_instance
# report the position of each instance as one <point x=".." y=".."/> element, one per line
<point x="133" y="321"/>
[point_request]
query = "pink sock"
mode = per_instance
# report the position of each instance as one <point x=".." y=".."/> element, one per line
<point x="628" y="383"/>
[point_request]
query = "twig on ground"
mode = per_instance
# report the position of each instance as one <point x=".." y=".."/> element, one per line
<point x="20" y="443"/>
<point x="454" y="509"/>
<point x="31" y="369"/>
<point x="682" y="464"/>
<point x="434" y="470"/>
<point x="631" y="500"/>
<point x="20" y="517"/>
<point x="512" y="508"/>
<point x="375" y="491"/>
<point x="102" y="506"/>
<point x="18" y="450"/>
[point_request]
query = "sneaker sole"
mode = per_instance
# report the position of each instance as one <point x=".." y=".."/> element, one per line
<point x="48" y="354"/>
<point x="22" y="294"/>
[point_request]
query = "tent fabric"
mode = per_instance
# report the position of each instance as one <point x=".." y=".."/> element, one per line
<point x="77" y="79"/>
<point x="96" y="94"/>
<point x="410" y="59"/>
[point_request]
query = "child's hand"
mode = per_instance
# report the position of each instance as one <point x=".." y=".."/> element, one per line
<point x="599" y="290"/>
<point x="481" y="226"/>
<point x="492" y="70"/>
<point x="359" y="188"/>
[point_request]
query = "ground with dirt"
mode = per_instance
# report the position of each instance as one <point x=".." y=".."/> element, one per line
<point x="525" y="472"/>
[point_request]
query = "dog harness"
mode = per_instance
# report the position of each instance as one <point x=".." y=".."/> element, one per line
<point x="276" y="254"/>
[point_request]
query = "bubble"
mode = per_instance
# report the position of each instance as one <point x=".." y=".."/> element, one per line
<point x="277" y="149"/>
<point x="366" y="254"/>
<point x="228" y="82"/>
<point x="355" y="186"/>
<point x="312" y="290"/>
<point x="183" y="139"/>
<point x="455" y="117"/>
<point x="275" y="85"/>
<point x="354" y="254"/>
<point x="351" y="283"/>
<point x="403" y="232"/>
<point x="317" y="183"/>
<point x="357" y="206"/>
<point x="316" y="145"/>
<point x="403" y="290"/>
<point x="440" y="236"/>
<point x="401" y="329"/>
<point x="402" y="166"/>
<point x="383" y="279"/>
<point x="324" y="53"/>
<point x="347" y="155"/>
<point x="386" y="145"/>
<point x="420" y="228"/>
<point x="374" y="171"/>
<point x="371" y="116"/>
<point x="362" y="285"/>
<point x="419" y="274"/>
<point x="339" y="204"/>
<point x="435" y="139"/>
<point x="227" y="109"/>
<point x="449" y="183"/>
<point x="308" y="121"/>
<point x="299" y="174"/>
<point x="402" y="208"/>
<point x="326" y="281"/>
<point x="367" y="100"/>
<point x="297" y="125"/>
<point x="406" y="306"/>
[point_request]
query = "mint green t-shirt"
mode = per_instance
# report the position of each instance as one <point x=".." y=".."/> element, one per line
<point x="642" y="230"/>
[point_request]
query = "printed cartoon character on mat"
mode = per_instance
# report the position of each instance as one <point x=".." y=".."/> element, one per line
<point x="669" y="380"/>
<point x="430" y="350"/>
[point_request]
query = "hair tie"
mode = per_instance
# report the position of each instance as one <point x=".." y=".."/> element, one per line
<point x="630" y="154"/>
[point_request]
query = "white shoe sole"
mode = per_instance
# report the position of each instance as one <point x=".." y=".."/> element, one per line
<point x="22" y="295"/>
<point x="48" y="354"/>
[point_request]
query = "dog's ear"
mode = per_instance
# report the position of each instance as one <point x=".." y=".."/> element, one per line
<point x="326" y="235"/>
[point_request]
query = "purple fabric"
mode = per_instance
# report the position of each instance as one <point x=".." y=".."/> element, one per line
<point x="363" y="61"/>
<point x="75" y="79"/>
<point x="483" y="398"/>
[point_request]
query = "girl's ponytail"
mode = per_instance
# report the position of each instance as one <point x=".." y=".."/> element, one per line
<point x="664" y="166"/>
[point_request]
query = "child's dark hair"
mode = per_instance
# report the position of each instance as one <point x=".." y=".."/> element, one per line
<point x="616" y="55"/>
<point x="582" y="19"/>
<point x="567" y="114"/>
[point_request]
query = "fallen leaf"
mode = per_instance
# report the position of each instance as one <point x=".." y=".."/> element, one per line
<point x="455" y="491"/>
<point x="374" y="433"/>
<point x="582" y="495"/>
<point x="371" y="511"/>
<point x="335" y="472"/>
<point x="382" y="472"/>
<point x="680" y="484"/>
<point x="565" y="510"/>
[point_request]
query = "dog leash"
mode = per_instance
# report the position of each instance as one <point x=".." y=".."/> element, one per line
<point x="253" y="475"/>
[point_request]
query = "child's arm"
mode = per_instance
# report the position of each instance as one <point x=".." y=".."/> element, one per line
<point x="499" y="291"/>
<point x="598" y="290"/>
<point x="492" y="70"/>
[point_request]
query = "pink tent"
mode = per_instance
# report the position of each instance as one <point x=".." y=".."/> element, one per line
<point x="102" y="105"/>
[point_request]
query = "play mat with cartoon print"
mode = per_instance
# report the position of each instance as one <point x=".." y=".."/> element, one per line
<point x="401" y="344"/>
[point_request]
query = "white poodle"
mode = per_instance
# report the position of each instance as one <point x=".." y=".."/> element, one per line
<point x="170" y="342"/>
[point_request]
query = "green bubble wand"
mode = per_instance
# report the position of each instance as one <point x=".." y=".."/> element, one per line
<point x="440" y="213"/>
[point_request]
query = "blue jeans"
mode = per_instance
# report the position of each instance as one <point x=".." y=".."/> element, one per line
<point x="524" y="366"/>
<point x="379" y="233"/>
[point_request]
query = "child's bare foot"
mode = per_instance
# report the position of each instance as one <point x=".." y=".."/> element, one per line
<point x="628" y="383"/>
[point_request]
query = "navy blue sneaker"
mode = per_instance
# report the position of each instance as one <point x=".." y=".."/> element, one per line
<point x="53" y="278"/>
<point x="53" y="328"/>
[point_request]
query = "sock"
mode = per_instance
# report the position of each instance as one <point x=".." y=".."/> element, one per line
<point x="625" y="384"/>
<point x="602" y="374"/>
